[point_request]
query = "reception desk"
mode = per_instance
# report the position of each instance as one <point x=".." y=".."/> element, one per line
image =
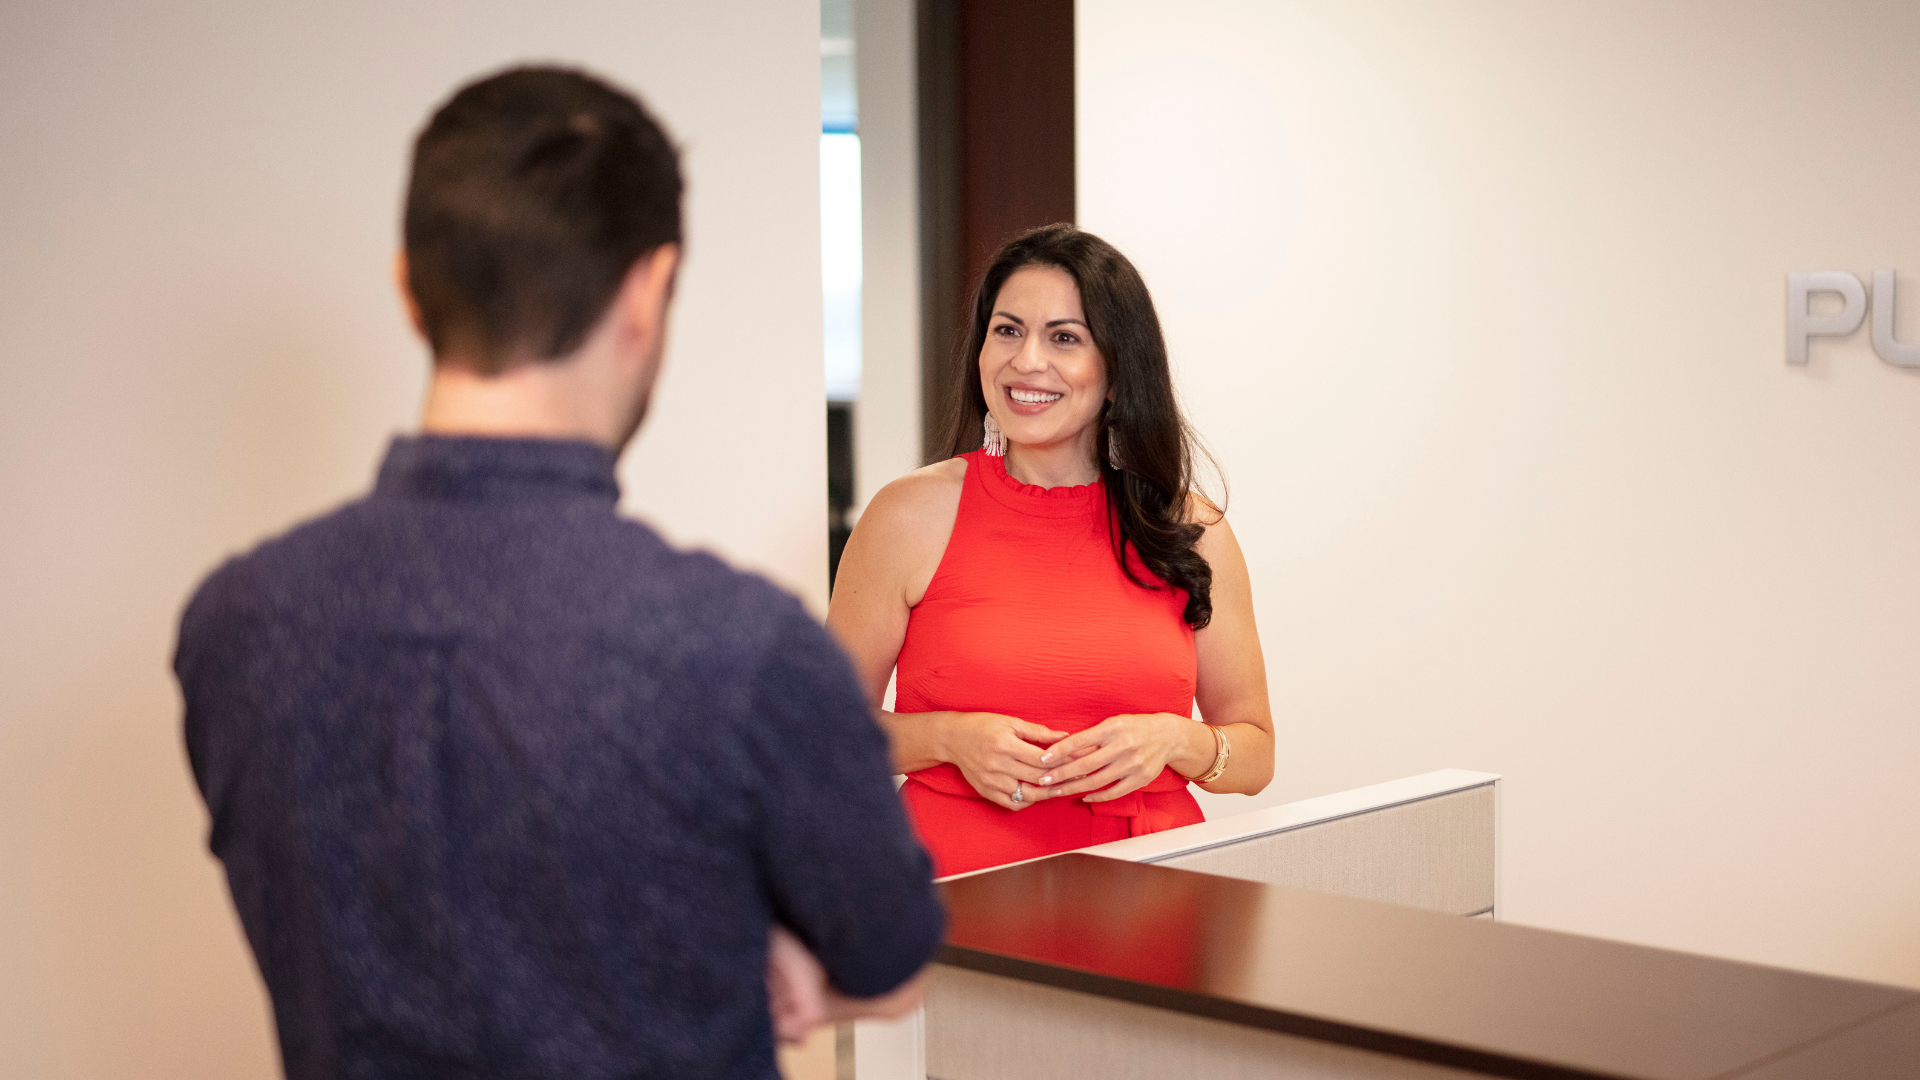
<point x="1197" y="953"/>
<point x="1079" y="966"/>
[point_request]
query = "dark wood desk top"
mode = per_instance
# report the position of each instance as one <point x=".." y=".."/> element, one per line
<point x="1504" y="1000"/>
<point x="1886" y="1045"/>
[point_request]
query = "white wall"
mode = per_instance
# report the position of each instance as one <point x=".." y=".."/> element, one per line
<point x="886" y="421"/>
<point x="199" y="346"/>
<point x="1481" y="306"/>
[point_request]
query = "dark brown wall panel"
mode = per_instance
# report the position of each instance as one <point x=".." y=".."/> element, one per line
<point x="1016" y="120"/>
<point x="996" y="156"/>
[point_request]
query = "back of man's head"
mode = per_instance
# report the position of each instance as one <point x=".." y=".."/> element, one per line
<point x="533" y="193"/>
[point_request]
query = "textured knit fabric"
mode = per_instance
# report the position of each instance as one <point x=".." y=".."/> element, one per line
<point x="1030" y="615"/>
<point x="506" y="787"/>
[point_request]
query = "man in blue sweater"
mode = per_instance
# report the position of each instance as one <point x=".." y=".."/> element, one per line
<point x="504" y="785"/>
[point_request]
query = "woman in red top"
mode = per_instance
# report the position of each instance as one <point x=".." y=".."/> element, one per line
<point x="1056" y="601"/>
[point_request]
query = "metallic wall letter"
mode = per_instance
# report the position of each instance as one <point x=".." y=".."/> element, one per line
<point x="1803" y="324"/>
<point x="1893" y="352"/>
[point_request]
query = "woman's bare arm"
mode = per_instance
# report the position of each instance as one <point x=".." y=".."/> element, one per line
<point x="1232" y="684"/>
<point x="888" y="563"/>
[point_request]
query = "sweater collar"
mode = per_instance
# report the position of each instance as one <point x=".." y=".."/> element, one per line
<point x="474" y="467"/>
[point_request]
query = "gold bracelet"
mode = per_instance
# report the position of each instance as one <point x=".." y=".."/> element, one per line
<point x="1222" y="750"/>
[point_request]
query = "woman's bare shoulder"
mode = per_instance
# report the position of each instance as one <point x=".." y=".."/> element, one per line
<point x="1204" y="511"/>
<point x="902" y="534"/>
<point x="1217" y="542"/>
<point x="925" y="499"/>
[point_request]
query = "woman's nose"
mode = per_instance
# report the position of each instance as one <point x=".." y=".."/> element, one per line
<point x="1028" y="359"/>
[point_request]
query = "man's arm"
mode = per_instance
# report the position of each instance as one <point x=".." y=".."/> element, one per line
<point x="842" y="866"/>
<point x="800" y="999"/>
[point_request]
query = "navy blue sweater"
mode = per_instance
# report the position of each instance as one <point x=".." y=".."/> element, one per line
<point x="506" y="787"/>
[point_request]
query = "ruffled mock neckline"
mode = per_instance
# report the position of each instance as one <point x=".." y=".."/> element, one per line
<point x="996" y="467"/>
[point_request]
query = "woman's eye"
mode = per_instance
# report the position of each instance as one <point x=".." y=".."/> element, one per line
<point x="1005" y="330"/>
<point x="1064" y="338"/>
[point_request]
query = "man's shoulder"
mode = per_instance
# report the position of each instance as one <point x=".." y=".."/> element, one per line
<point x="249" y="584"/>
<point x="715" y="603"/>
<point x="706" y="584"/>
<point x="287" y="553"/>
<point x="602" y="574"/>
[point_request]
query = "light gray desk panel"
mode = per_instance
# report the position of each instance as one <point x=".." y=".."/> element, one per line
<point x="986" y="1027"/>
<point x="1435" y="853"/>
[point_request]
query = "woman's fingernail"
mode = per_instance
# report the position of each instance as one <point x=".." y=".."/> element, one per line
<point x="1044" y="758"/>
<point x="1046" y="779"/>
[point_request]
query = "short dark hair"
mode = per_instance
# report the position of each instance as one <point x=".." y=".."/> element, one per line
<point x="533" y="193"/>
<point x="1145" y="449"/>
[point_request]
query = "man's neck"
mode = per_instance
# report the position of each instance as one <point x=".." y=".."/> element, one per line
<point x="528" y="401"/>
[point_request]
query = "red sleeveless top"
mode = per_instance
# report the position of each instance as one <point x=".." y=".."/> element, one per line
<point x="1029" y="615"/>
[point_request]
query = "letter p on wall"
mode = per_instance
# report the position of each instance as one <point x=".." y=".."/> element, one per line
<point x="1803" y="325"/>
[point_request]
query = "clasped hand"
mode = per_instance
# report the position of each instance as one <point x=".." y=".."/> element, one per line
<point x="1116" y="757"/>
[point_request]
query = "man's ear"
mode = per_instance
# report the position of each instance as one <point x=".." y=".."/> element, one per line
<point x="402" y="281"/>
<point x="648" y="291"/>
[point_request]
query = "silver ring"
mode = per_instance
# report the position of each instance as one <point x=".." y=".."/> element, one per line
<point x="1018" y="796"/>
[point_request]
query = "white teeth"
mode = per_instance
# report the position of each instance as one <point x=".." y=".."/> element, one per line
<point x="1033" y="397"/>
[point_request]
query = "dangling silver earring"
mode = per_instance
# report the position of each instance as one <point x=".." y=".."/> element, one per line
<point x="995" y="444"/>
<point x="1113" y="451"/>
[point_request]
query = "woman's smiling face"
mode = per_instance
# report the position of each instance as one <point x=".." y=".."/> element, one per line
<point x="1040" y="371"/>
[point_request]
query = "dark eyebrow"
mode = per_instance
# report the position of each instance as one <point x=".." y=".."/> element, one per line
<point x="1011" y="317"/>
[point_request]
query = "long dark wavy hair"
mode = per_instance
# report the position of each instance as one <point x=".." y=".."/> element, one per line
<point x="1147" y="497"/>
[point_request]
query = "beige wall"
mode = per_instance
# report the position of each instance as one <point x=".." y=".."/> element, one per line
<point x="1481" y="306"/>
<point x="199" y="346"/>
